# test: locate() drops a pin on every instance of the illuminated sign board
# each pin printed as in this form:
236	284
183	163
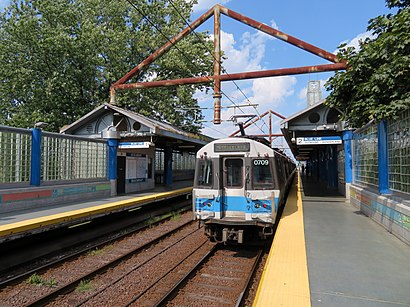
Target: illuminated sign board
123	145
319	140
232	147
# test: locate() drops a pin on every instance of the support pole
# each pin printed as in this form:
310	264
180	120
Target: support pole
35	167
217	66
270	129
112	164
347	145
168	176
383	158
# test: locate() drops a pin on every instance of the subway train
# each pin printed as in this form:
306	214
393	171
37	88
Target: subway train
240	184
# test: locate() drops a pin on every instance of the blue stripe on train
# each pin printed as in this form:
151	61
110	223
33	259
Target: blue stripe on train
235	203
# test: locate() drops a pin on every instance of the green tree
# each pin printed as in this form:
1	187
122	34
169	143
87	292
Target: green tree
376	85
60	57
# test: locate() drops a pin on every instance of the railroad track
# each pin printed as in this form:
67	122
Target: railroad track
222	277
66	281
31	251
173	269
67	253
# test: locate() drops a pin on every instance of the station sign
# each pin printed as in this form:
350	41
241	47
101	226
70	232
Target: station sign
130	145
319	140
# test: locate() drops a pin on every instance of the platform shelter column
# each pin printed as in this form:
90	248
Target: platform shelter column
383	158
35	167
112	164
347	146
168	176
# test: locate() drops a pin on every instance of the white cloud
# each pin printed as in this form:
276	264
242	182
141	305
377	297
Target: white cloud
270	92
246	53
246	56
204	5
303	93
355	42
4	4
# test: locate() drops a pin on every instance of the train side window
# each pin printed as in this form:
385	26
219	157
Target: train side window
233	173
204	171
262	174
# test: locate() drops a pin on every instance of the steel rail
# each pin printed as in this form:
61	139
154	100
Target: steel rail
20	277
72	285
241	297
172	292
134	299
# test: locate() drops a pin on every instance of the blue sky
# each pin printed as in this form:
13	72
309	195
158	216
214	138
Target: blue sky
323	23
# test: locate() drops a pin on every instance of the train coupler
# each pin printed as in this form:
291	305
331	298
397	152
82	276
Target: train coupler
232	235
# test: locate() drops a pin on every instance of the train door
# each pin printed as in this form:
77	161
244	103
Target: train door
233	190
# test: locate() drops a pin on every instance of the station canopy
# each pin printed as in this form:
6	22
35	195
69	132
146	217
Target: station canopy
133	127
312	128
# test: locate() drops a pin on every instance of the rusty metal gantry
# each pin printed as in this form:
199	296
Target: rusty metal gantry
217	78
270	135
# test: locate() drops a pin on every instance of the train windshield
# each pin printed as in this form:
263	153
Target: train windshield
204	171
261	174
234	174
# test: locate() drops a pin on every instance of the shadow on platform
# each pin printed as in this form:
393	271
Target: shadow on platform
313	187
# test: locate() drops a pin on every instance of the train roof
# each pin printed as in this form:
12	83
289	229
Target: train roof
235	145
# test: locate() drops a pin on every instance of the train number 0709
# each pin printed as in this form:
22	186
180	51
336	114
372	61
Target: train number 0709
260	162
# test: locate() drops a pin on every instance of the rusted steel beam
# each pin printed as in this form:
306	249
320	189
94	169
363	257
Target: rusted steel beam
197	80
284	71
141	66
277	114
266	135
236	76
279	34
217	66
250	123
270	128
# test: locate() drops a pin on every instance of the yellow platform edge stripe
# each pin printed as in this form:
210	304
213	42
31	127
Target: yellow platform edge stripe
30	224
285	279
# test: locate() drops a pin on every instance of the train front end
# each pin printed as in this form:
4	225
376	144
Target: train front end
234	192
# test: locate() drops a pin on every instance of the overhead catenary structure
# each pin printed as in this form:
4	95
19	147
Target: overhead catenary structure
217	77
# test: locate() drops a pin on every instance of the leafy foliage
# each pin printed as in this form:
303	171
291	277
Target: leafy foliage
59	59
84	286
376	85
37	280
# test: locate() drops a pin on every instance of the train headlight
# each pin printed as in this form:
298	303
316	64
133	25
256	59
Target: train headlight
257	205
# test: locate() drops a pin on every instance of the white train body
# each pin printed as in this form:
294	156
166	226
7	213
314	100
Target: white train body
239	186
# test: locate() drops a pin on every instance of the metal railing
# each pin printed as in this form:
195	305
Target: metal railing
389	160
63	157
66	157
398	140
365	156
15	155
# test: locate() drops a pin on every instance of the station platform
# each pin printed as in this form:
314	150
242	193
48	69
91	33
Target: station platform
18	223
326	253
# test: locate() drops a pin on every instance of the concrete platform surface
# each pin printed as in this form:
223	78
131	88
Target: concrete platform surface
352	261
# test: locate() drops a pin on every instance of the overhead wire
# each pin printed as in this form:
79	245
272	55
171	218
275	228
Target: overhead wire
174	45
210	127
223	69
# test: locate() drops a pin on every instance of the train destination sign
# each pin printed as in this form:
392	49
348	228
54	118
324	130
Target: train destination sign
319	140
232	147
